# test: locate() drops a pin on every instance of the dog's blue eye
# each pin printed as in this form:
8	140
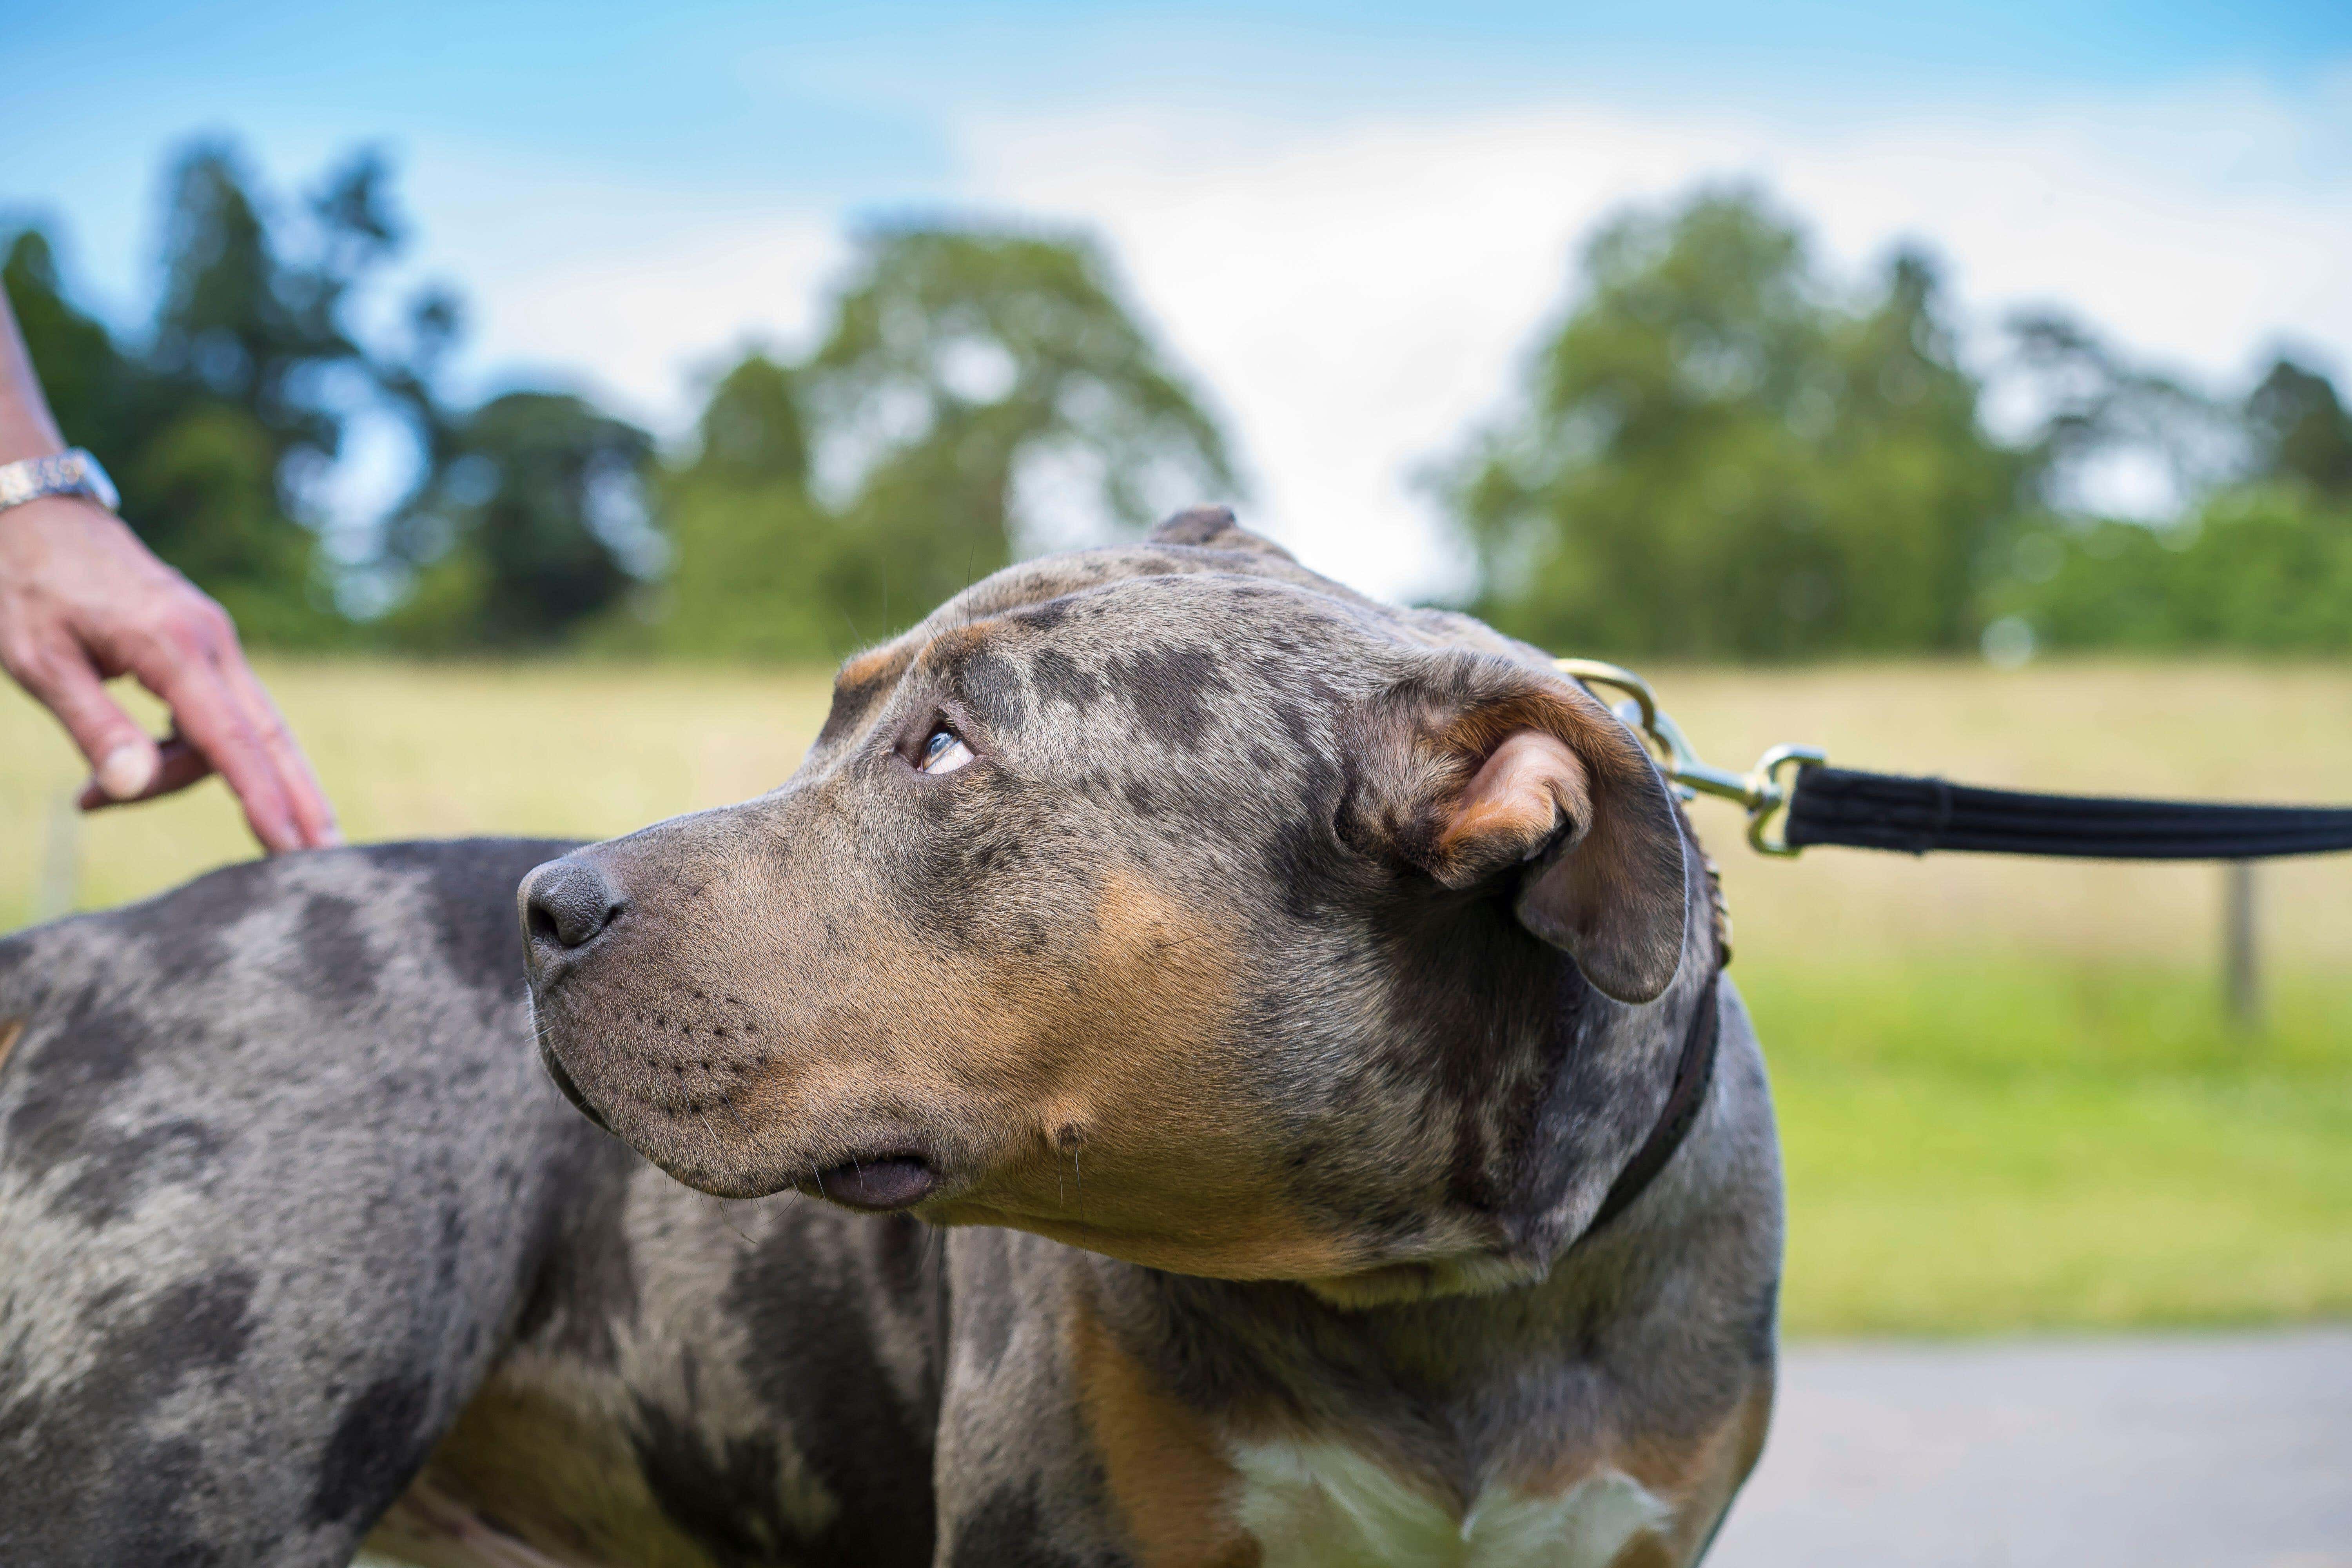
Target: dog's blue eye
944	752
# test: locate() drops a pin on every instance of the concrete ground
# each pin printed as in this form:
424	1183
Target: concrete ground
2190	1451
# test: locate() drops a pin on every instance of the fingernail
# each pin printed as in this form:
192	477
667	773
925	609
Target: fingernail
127	770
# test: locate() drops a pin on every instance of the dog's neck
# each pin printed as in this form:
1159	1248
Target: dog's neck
1433	1388
1536	1095
1436	1374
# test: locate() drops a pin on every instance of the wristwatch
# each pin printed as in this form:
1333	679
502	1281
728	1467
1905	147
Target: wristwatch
74	473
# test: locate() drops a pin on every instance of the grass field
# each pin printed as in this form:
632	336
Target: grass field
2006	1092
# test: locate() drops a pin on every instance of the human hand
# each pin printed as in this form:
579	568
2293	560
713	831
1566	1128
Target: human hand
82	601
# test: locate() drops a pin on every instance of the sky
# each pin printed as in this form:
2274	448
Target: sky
1348	221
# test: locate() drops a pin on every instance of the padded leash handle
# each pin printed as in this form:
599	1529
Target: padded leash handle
1886	811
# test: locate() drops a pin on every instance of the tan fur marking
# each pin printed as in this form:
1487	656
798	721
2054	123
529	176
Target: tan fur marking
11	1032
1171	1482
1646	1550
426	1527
873	665
1165	1172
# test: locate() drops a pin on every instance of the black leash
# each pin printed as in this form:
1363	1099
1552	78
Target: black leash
1884	811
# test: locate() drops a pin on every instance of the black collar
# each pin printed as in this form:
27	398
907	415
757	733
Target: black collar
1693	1074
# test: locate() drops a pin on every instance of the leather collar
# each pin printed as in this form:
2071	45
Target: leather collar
1693	1075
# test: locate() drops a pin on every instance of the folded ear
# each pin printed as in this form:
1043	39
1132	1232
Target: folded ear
1486	773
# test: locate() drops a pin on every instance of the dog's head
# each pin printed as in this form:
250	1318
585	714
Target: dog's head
1169	901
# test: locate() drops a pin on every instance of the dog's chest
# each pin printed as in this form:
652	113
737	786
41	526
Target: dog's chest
1327	1505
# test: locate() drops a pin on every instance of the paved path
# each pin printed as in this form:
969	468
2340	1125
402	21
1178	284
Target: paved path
2205	1451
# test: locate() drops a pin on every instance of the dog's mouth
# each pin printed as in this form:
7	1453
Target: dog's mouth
571	1090
877	1183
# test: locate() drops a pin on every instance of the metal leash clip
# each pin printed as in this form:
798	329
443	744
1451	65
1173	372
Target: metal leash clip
1762	793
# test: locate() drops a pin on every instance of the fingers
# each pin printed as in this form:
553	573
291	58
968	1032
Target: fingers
124	760
183	666
223	714
314	820
182	766
82	600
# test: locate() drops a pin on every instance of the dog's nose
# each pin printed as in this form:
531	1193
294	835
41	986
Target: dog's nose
565	903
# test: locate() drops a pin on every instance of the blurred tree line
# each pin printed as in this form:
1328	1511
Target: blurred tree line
1718	451
978	389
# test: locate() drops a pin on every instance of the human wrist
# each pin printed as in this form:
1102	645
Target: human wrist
27	432
73	472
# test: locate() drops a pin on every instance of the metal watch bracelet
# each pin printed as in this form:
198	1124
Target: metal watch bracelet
70	473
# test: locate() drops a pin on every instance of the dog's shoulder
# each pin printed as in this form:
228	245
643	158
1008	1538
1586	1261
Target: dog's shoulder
275	1157
379	977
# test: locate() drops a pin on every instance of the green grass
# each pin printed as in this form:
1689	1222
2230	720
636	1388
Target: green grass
2056	1147
2005	1093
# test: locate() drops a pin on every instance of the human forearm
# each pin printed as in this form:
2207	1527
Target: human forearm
26	427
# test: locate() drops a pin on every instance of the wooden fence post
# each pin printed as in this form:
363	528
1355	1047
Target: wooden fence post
2241	982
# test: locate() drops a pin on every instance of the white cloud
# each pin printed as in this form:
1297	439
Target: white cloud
637	290
1359	294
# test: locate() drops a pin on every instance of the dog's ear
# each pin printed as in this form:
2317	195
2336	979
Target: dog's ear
1485	773
1214	527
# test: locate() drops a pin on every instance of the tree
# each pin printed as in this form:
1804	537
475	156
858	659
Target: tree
96	391
2263	568
220	429
985	386
2302	430
977	391
2261	560
754	558
527	519
1718	455
537	525
263	372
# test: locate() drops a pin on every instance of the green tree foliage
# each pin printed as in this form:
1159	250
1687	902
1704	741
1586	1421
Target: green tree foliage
98	393
1718	455
218	429
2303	433
536	525
2263	568
1717	452
752	550
972	382
2262	562
527	518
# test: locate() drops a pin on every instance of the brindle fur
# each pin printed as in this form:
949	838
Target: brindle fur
298	1242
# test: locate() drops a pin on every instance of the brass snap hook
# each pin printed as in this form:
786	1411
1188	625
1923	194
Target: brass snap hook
1762	793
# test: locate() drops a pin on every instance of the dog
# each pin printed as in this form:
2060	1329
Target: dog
1239	1073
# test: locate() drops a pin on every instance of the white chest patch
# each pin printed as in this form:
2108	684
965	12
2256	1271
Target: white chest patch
1326	1505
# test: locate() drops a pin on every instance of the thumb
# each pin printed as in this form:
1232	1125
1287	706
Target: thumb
124	758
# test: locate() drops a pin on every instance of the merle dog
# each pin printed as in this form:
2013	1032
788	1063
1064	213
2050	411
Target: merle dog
1264	1051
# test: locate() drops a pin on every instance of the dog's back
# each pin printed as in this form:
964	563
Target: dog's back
276	1155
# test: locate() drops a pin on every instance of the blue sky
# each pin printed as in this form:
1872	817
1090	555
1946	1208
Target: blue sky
1348	218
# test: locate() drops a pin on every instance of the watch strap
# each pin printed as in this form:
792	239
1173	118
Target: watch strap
72	473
